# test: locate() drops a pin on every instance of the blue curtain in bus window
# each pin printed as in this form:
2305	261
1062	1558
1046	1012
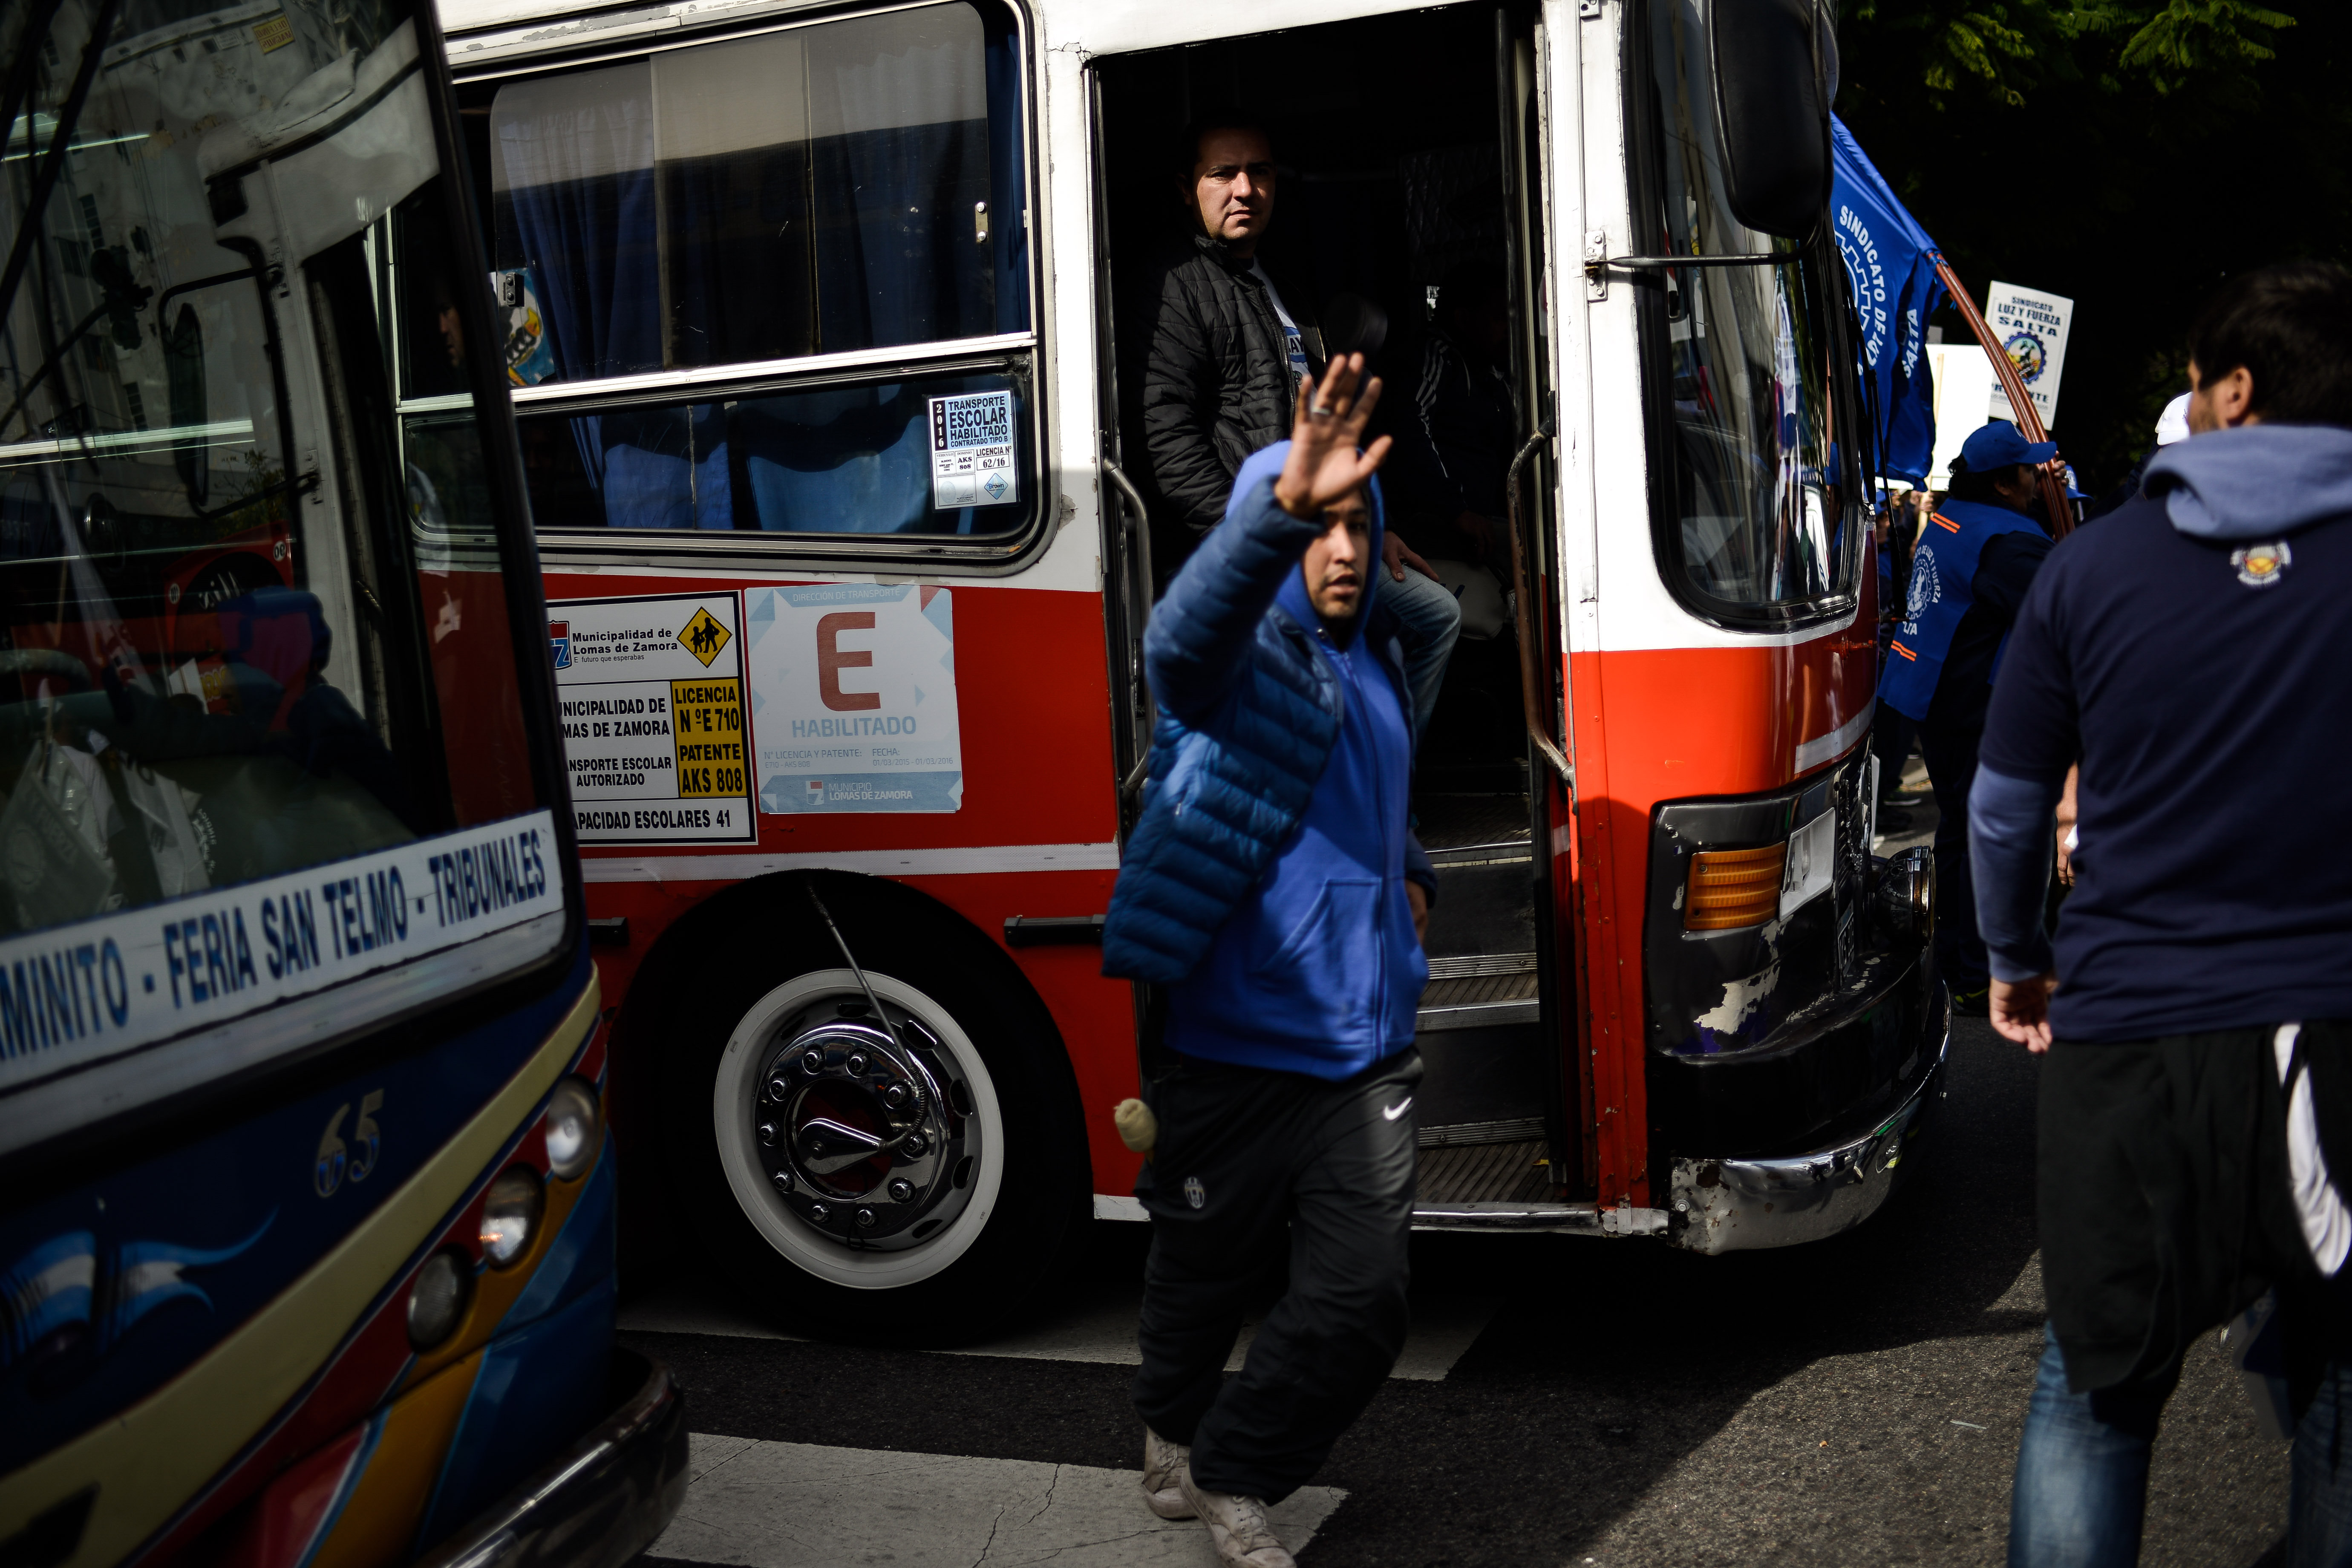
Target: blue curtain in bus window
572	177
899	161
731	143
664	466
854	460
1007	237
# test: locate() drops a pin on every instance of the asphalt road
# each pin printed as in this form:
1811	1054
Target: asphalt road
1564	1402
1574	1401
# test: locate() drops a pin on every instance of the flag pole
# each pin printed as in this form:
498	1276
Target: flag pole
2029	419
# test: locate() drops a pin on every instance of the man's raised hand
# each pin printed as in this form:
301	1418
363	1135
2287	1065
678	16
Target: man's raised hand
1324	466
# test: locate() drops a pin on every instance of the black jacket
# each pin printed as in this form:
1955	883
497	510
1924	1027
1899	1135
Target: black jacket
1217	386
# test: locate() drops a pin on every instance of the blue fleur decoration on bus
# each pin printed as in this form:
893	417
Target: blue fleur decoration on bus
47	1294
147	1275
50	1298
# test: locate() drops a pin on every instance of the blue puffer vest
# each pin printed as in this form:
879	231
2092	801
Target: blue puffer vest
1226	790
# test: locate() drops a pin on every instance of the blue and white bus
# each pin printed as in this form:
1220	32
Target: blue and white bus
306	1205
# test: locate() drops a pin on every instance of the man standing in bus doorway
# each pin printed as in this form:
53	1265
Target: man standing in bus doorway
2196	1095
1228	349
1274	887
1975	558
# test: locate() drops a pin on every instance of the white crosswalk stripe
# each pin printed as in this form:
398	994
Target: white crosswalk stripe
797	1505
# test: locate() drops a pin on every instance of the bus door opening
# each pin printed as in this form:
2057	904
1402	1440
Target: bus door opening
1404	223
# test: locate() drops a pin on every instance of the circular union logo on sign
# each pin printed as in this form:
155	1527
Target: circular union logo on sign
2027	353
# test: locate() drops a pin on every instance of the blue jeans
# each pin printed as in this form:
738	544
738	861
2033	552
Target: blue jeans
1432	621
2081	1473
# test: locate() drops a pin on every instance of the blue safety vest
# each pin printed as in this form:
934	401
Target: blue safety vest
1943	586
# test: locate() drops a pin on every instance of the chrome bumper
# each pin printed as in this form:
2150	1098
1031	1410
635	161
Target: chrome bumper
603	1502
1736	1206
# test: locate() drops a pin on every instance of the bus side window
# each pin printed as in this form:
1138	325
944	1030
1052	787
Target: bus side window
815	189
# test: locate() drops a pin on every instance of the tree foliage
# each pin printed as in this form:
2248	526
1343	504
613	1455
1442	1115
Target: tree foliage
2130	155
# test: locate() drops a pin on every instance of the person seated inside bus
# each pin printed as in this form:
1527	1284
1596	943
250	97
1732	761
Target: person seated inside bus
1231	346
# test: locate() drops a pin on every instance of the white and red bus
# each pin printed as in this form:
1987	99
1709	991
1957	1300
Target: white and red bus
824	324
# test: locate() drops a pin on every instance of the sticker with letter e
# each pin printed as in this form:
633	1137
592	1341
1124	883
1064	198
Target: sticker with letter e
832	658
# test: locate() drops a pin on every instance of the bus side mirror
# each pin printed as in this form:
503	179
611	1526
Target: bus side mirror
1772	74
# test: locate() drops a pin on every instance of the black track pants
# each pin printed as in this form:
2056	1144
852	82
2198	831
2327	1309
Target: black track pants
1951	758
1250	1164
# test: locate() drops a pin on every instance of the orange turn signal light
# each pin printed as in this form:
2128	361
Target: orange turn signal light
1732	887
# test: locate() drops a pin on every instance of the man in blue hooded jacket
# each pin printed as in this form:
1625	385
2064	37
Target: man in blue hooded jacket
1975	560
2197	1078
1274	887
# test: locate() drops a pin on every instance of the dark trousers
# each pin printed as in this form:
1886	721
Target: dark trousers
1890	739
2165	1208
1951	758
1250	1165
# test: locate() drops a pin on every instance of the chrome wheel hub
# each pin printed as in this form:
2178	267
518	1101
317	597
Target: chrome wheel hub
867	1141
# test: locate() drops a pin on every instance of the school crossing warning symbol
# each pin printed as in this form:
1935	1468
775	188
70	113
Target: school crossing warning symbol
704	637
654	733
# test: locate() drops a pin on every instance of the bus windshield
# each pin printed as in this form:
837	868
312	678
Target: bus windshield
1752	524
247	634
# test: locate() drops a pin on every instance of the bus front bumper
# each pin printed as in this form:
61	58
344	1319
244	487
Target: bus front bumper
1741	1204
600	1503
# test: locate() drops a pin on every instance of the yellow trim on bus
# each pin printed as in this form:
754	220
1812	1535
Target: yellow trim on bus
152	1458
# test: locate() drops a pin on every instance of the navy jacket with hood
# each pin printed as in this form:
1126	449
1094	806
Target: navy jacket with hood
2189	651
1265	883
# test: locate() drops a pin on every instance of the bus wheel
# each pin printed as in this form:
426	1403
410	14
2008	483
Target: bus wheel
911	1174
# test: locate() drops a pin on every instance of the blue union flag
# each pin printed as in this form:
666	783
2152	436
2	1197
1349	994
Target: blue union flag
1892	264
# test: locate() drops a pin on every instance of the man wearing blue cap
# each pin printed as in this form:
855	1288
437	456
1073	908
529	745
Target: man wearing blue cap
1976	559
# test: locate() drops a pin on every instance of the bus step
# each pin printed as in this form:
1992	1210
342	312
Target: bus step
1486	1173
1473	991
1459	1134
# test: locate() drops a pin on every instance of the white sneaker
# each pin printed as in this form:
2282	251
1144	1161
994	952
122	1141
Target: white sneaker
1238	1526
1163	1475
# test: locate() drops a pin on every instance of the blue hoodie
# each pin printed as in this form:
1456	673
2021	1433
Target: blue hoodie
2189	649
1308	964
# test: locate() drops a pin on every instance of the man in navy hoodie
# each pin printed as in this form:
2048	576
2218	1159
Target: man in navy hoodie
1274	887
2196	1013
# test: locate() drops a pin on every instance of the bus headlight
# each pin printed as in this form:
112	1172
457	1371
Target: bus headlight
512	1214
573	1128
1906	895
436	1298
